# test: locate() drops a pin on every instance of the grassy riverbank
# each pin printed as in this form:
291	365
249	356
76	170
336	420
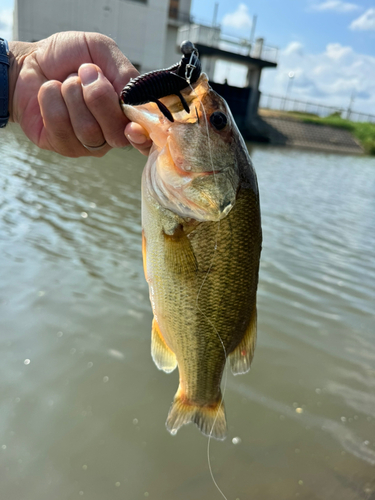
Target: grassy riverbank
363	131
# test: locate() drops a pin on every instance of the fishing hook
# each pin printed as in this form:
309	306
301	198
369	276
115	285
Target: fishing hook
154	85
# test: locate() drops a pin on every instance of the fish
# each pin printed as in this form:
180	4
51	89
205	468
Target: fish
201	245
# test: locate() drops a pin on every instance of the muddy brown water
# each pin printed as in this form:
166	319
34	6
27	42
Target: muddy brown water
82	405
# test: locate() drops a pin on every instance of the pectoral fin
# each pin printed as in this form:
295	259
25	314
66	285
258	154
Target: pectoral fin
164	358
179	253
240	359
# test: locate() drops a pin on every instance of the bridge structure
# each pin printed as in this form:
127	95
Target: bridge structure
213	46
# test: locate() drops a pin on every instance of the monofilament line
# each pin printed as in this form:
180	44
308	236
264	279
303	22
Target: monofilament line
197	305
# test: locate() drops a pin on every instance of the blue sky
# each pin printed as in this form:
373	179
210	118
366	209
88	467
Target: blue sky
329	45
313	23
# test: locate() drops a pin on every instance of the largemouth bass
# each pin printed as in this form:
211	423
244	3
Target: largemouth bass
201	249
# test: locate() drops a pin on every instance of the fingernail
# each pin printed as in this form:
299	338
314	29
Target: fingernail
88	74
137	139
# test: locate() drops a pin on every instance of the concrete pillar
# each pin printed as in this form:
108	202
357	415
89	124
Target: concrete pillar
258	48
253	78
208	65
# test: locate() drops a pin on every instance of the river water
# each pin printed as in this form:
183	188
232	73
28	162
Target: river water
83	406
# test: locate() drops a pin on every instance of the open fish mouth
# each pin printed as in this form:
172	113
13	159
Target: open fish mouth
192	169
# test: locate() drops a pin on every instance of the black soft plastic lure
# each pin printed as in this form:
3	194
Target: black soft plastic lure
154	85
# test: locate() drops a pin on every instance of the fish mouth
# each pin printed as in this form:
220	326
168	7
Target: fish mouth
183	174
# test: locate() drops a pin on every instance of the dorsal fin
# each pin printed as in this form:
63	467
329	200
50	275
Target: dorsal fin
240	359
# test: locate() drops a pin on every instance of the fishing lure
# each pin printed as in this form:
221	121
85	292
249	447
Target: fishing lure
154	85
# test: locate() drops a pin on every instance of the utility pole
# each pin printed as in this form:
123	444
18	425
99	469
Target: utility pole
349	111
214	20
291	76
252	33
253	26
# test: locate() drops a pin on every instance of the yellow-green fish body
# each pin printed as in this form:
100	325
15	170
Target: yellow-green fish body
201	250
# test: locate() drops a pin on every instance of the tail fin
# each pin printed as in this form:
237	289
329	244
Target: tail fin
210	419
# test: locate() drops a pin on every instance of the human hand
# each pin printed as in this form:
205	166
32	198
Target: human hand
64	93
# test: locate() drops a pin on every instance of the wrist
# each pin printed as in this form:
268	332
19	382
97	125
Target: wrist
17	54
4	82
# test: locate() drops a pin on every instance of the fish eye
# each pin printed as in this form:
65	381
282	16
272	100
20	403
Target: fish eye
218	120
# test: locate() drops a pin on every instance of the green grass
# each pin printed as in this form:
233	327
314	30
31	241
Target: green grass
363	131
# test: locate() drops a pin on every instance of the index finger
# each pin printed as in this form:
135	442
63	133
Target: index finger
63	53
103	102
114	64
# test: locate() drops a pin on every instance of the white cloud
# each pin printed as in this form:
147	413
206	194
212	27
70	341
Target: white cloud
327	78
294	48
6	23
239	19
337	52
364	22
336	6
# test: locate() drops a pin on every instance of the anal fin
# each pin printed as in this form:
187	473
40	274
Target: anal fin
164	358
240	359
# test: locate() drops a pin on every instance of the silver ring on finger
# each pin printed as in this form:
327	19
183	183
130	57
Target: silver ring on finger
94	148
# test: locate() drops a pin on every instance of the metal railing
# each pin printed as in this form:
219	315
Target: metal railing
213	37
244	47
284	103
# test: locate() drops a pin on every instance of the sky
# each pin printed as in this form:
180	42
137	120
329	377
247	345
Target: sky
329	45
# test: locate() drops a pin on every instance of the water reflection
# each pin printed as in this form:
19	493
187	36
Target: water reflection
83	407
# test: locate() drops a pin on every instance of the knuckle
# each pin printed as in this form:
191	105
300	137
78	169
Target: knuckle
70	85
91	131
106	39
59	134
59	124
117	140
49	85
90	135
61	143
103	39
48	90
97	96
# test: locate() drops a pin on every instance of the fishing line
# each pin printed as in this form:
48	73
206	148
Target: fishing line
190	67
197	305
